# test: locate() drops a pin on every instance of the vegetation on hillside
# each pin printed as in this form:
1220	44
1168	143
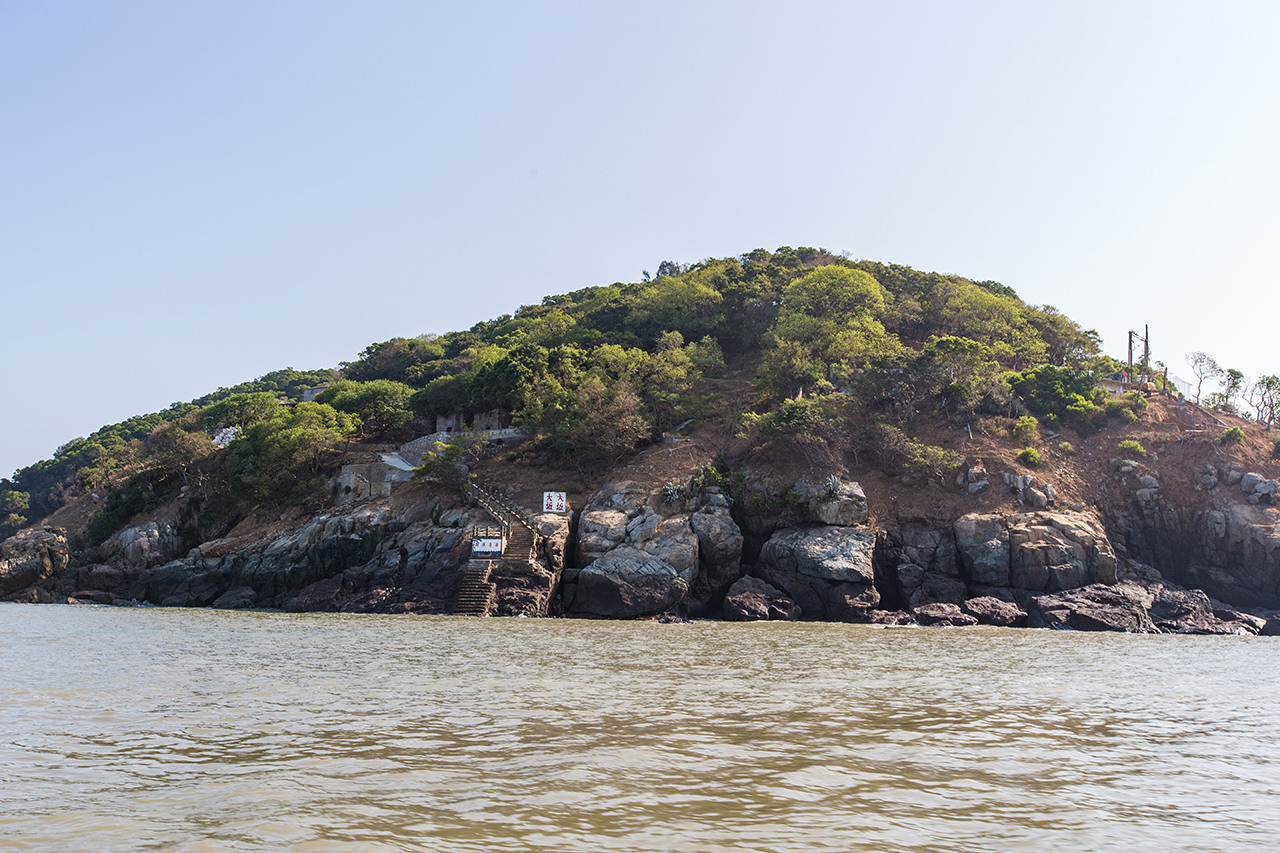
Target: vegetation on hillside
842	357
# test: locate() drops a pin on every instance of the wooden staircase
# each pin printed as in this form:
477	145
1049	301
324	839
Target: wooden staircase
476	592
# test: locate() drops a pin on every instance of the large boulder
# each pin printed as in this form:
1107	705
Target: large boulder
838	554
1098	607
1041	551
808	564
719	558
752	600
837	502
943	615
1189	611
144	546
989	610
629	582
30	556
920	586
982	542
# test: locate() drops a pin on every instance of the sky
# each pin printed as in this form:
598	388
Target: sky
195	194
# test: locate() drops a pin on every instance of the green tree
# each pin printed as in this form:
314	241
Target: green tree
178	445
241	411
381	404
285	455
609	423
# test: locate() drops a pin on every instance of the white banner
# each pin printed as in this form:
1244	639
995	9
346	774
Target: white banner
554	502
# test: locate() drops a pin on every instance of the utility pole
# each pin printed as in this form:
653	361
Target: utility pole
1146	348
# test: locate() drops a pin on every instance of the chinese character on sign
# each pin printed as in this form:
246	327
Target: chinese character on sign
553	502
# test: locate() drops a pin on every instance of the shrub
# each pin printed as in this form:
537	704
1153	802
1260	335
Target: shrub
1026	431
1136	401
1132	448
1127	416
930	461
1233	435
1029	457
1066	447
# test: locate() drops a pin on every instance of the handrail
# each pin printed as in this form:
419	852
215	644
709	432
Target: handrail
504	512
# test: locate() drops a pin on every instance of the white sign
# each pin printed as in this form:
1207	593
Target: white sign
554	502
486	547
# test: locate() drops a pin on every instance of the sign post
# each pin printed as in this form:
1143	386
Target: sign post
554	502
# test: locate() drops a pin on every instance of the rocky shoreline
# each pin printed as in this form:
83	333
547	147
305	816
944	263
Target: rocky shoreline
634	552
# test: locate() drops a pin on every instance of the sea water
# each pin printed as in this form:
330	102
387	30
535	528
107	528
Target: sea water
199	730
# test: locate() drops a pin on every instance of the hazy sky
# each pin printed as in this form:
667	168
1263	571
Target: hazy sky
194	194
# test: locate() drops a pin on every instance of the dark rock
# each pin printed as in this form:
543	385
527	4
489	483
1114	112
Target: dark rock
751	599
1189	611
921	587
94	596
989	610
1122	607
943	614
108	578
319	596
852	602
889	617
719	559
236	599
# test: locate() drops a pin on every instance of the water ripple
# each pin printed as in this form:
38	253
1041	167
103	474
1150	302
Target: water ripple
200	730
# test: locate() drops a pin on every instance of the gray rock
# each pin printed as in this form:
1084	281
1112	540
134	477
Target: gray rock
1146	481
808	565
1206	475
1233	477
983	544
839	554
1036	498
599	532
719	557
144	546
30	556
1248	481
847	507
628	582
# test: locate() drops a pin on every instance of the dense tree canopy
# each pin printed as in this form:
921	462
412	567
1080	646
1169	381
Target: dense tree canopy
599	369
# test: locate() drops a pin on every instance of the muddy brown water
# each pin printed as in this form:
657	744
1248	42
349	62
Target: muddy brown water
195	730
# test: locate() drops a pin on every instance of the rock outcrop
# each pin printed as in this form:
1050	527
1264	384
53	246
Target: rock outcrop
641	556
31	556
1043	551
828	571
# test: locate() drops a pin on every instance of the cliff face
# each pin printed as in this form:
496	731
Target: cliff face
1088	541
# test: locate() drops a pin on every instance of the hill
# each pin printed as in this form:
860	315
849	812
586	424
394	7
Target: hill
754	390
